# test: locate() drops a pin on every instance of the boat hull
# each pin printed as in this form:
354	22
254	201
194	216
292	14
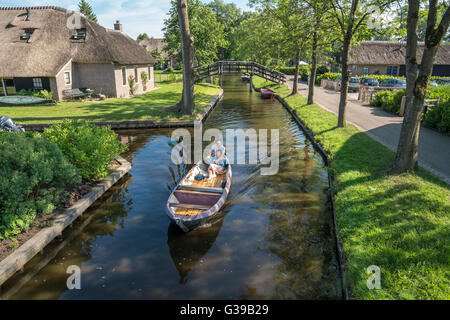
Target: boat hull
188	223
267	94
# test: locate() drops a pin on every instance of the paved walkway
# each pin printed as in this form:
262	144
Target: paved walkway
384	127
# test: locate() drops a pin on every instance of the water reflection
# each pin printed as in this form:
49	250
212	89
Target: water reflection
273	240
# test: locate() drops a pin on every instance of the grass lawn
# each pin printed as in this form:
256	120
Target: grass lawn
151	105
400	223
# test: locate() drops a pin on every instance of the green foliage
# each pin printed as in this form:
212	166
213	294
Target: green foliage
208	33
132	84
439	117
44	94
141	37
144	78
34	175
86	9
88	147
391	101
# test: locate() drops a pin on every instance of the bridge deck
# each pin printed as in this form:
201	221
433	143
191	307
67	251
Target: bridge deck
251	68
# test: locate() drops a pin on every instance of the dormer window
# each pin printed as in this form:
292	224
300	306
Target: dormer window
81	34
26	35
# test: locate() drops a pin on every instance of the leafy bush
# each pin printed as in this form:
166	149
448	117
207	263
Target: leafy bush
34	175
144	78
132	84
290	71
88	147
328	76
438	117
44	94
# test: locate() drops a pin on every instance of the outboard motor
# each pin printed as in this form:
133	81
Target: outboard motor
6	124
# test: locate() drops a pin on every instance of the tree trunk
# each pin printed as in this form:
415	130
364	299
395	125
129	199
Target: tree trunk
344	80
295	86
186	105
407	149
312	75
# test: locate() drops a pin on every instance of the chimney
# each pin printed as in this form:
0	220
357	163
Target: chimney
118	26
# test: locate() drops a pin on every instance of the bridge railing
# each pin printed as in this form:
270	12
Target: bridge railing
248	67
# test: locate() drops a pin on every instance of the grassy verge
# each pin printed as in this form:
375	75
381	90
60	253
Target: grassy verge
400	223
151	105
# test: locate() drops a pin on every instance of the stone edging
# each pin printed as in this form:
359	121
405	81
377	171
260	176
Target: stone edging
137	124
320	149
17	259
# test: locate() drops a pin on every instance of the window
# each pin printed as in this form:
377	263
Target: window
124	76
366	70
67	78
136	76
26	35
81	34
392	70
149	72
37	84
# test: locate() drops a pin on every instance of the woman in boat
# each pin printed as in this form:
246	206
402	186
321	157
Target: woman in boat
218	166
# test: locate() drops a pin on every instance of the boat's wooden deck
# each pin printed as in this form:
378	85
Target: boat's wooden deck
214	183
187	212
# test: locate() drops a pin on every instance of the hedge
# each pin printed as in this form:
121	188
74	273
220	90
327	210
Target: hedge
34	176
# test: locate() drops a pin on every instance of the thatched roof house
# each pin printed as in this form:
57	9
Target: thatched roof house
51	48
152	44
388	57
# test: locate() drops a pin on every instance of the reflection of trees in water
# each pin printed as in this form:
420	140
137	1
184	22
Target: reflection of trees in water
45	276
187	249
299	229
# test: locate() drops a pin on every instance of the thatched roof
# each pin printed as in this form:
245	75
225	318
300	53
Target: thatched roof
155	44
391	53
52	45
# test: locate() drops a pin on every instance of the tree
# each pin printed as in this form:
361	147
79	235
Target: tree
186	104
230	16
86	9
324	34
350	16
158	57
204	27
416	84
142	36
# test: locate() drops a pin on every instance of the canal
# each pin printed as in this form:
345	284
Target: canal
274	241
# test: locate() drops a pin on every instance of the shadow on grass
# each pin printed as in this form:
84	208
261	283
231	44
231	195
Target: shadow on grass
152	105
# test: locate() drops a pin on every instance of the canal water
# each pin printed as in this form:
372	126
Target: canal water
274	239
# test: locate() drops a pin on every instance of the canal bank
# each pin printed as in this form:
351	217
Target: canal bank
274	241
396	222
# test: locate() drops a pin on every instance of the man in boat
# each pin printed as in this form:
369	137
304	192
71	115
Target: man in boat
213	154
218	166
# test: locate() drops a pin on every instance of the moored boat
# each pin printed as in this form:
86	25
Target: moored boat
245	78
267	93
196	202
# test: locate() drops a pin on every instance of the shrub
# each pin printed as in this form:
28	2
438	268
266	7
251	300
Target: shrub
47	95
34	176
322	69
132	84
88	147
144	78
438	117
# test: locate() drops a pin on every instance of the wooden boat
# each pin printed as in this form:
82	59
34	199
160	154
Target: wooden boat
193	202
245	78
267	93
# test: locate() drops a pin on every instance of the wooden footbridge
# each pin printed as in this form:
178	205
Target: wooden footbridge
245	67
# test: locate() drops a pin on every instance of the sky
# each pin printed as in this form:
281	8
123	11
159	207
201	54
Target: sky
136	16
